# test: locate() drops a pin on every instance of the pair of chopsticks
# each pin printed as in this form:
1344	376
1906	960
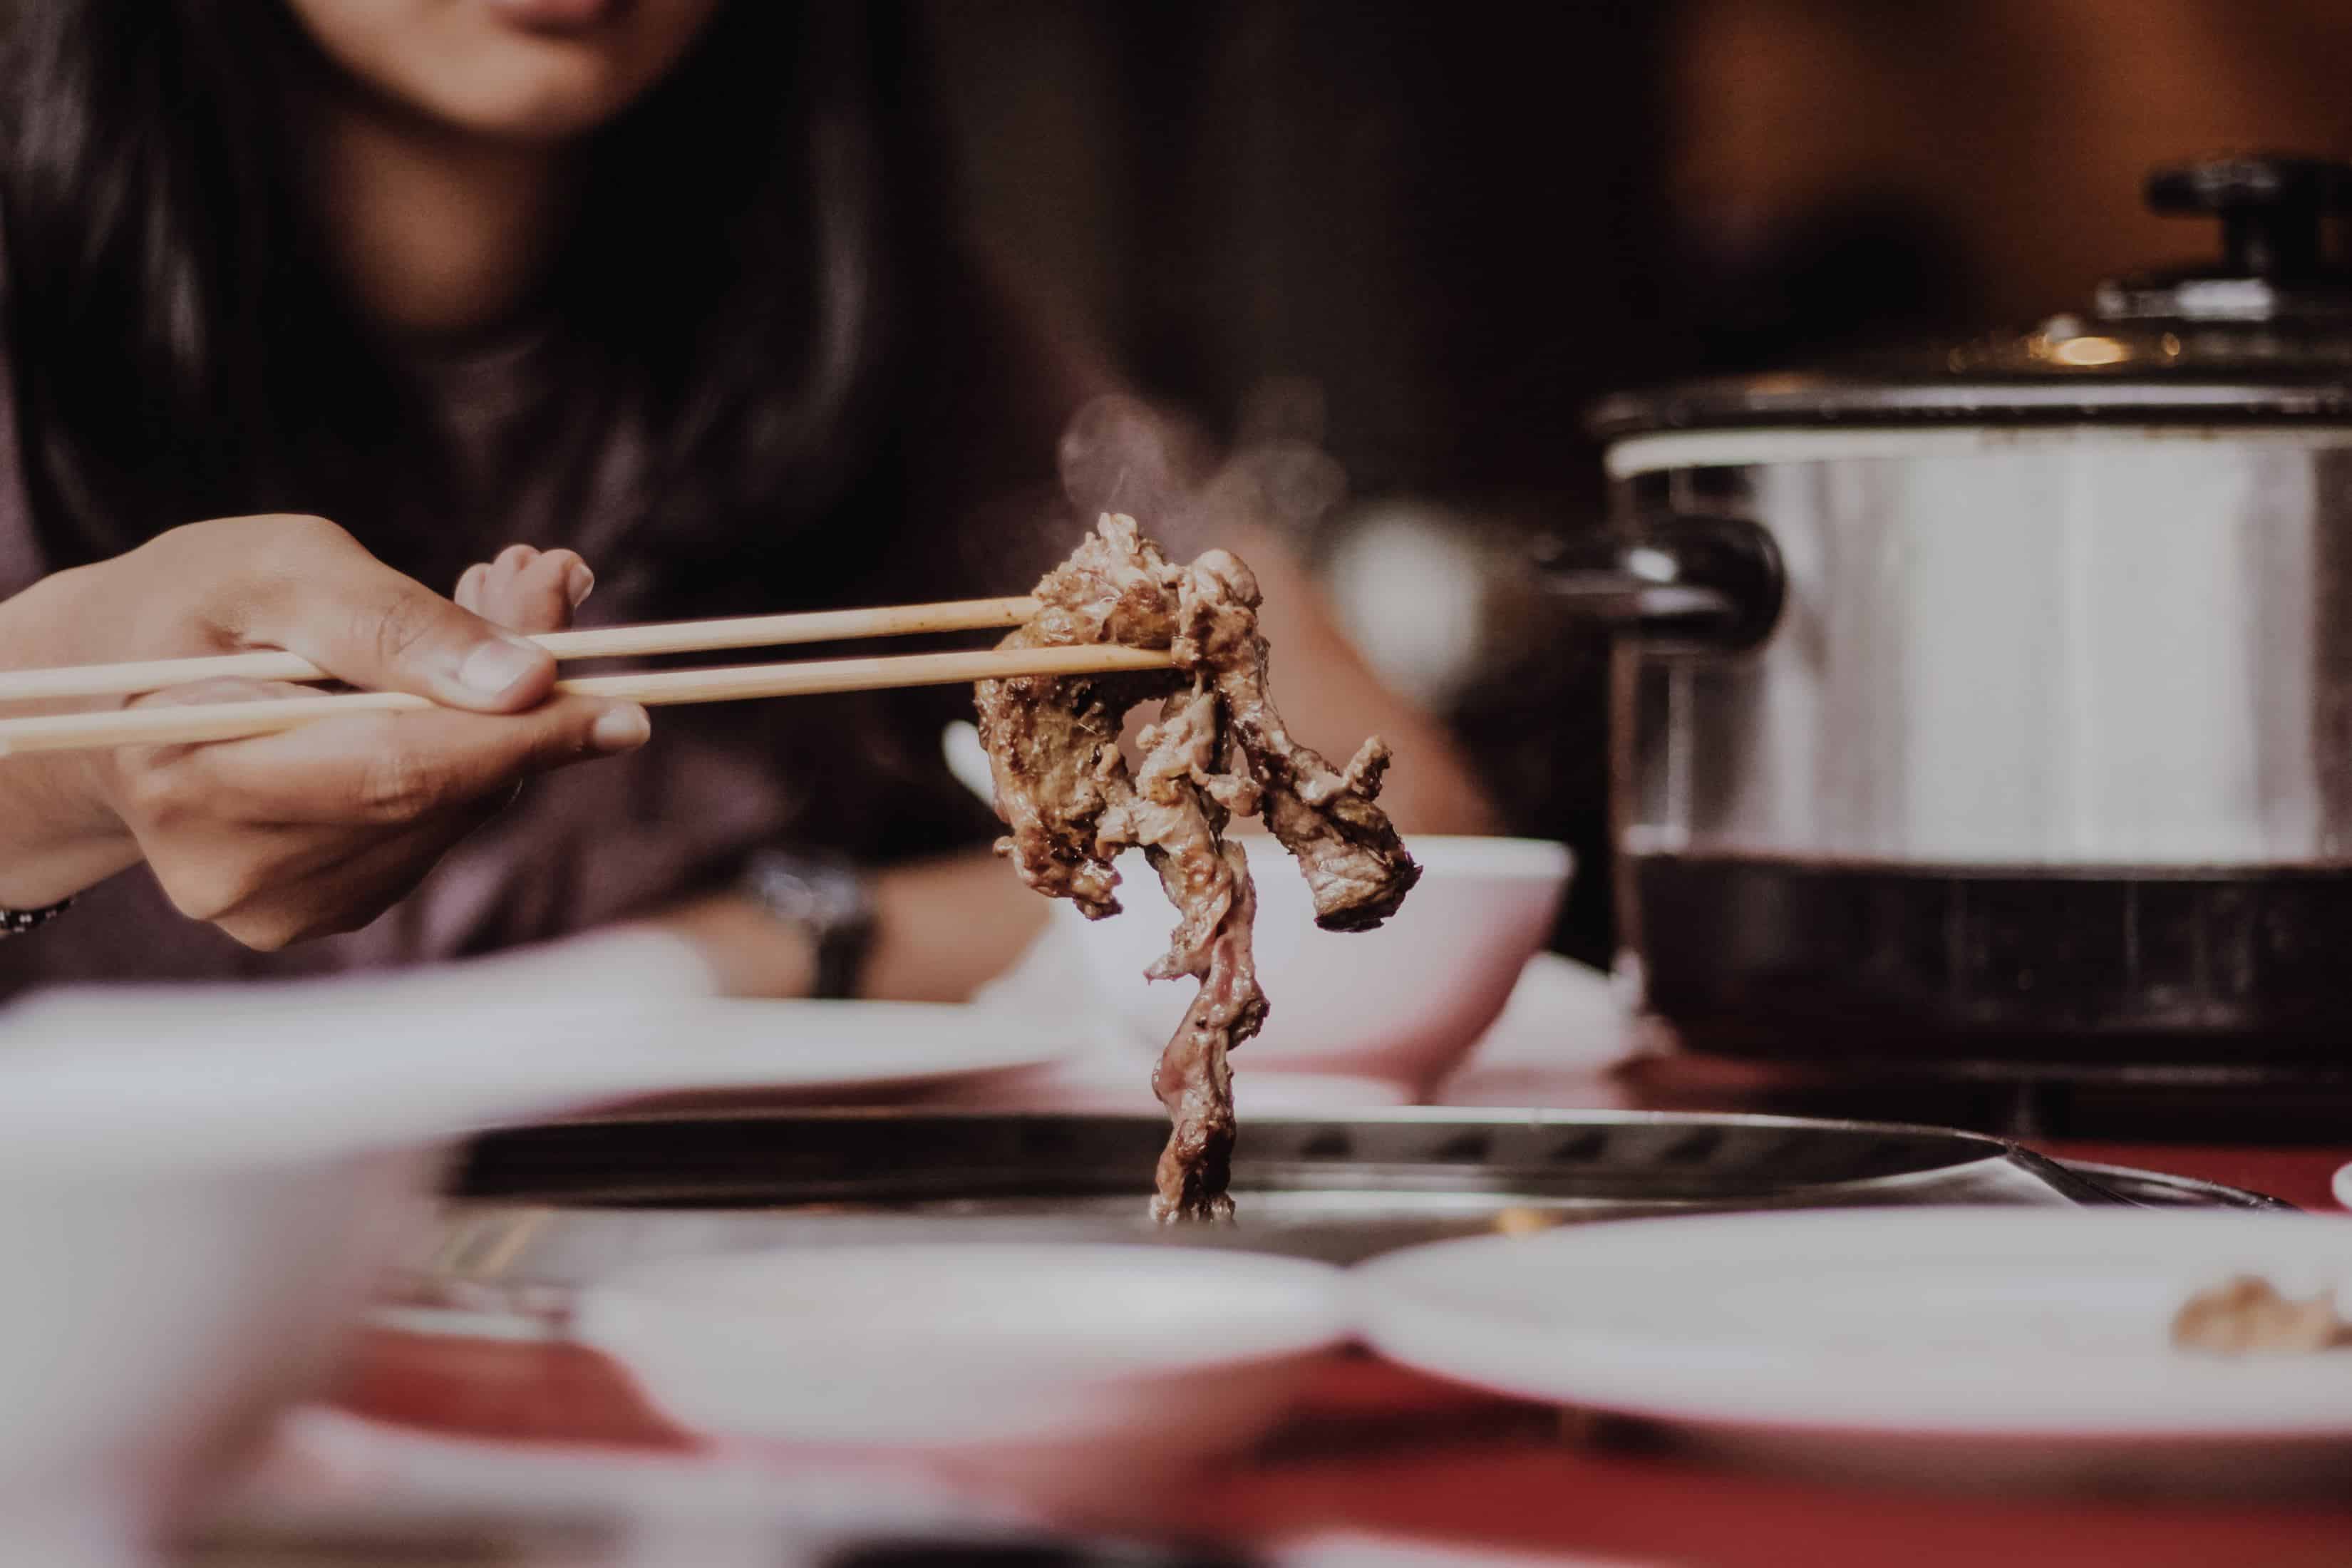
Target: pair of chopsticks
163	726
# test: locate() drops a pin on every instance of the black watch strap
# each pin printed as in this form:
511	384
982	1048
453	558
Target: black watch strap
825	896
16	922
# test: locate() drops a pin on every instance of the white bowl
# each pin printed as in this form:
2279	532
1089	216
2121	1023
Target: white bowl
199	1185
1404	1003
187	1236
1073	1373
184	1240
155	1320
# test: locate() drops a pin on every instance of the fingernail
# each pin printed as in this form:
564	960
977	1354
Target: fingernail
578	584
622	726
496	665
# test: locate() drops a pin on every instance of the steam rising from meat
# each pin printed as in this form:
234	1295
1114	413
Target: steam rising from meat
1217	749
1121	454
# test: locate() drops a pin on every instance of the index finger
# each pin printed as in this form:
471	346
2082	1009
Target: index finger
390	768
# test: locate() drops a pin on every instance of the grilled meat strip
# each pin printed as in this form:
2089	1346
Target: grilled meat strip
1217	749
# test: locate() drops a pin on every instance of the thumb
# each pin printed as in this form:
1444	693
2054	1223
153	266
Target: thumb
367	624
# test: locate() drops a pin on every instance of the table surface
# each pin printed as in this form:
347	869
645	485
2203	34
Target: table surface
1380	1449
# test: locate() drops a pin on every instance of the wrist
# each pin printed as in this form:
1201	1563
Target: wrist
741	947
829	902
63	833
60	830
24	922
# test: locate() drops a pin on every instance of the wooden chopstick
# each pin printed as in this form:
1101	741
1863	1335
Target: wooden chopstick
600	642
166	726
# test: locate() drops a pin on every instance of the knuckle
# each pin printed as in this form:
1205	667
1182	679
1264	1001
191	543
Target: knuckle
213	894
557	746
156	797
279	923
400	786
305	528
264	934
287	544
277	560
397	628
170	540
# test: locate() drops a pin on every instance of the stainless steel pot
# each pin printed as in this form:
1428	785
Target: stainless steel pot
1998	709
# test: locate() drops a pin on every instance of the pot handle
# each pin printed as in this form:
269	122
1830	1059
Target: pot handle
1681	583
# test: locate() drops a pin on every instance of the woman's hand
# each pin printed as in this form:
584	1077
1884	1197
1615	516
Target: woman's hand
316	830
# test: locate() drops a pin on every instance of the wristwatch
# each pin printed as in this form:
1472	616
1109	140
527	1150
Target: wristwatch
16	922
827	897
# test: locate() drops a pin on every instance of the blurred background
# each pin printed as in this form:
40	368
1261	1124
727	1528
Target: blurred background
1430	234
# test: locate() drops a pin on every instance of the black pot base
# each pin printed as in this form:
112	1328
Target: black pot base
2236	976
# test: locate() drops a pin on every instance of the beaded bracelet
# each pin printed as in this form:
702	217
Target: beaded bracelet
16	922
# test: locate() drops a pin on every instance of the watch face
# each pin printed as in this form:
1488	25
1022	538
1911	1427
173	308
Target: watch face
786	895
822	896
836	903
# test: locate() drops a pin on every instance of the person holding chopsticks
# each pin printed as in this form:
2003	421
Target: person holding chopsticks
657	293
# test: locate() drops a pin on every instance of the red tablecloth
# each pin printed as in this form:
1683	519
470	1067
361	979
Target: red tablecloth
1379	1448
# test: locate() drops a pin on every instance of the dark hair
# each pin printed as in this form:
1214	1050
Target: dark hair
180	349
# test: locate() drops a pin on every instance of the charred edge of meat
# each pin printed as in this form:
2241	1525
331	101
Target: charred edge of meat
1053	747
1219	747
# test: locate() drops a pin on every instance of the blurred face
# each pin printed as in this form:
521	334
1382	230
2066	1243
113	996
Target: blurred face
530	71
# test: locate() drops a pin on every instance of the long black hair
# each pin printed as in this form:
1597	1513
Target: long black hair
180	349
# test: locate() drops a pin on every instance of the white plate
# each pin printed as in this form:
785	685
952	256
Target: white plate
810	1048
372	1061
1959	1322
1061	1370
376	1062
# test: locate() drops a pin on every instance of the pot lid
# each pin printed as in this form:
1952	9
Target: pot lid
2264	334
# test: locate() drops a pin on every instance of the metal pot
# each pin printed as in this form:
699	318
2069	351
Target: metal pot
1996	709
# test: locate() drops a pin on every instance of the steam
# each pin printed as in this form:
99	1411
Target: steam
1122	454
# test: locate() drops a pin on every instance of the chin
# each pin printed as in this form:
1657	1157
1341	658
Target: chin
539	101
476	69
